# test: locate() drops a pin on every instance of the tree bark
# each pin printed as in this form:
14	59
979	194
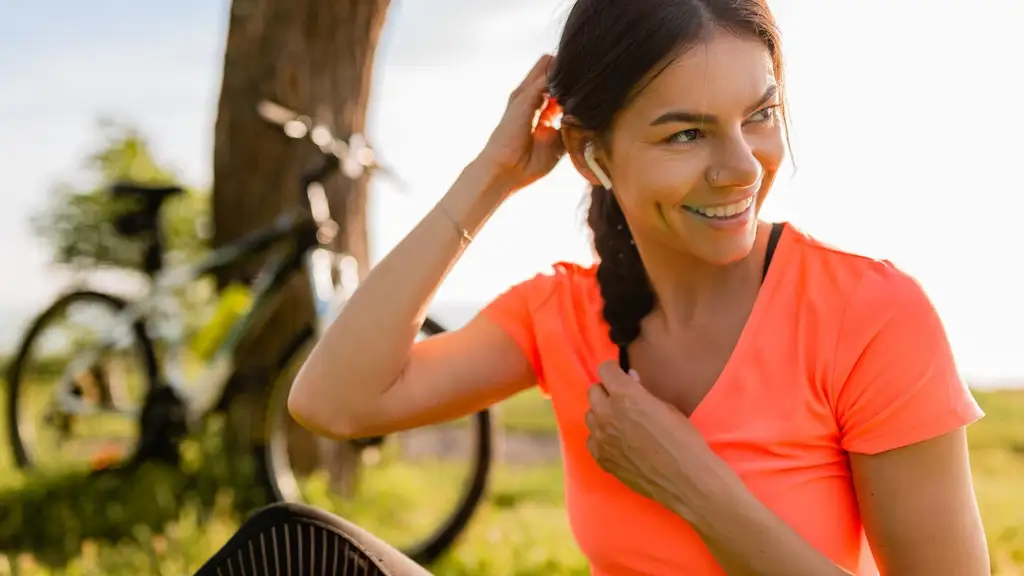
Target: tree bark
315	57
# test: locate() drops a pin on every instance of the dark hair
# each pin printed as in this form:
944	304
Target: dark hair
607	50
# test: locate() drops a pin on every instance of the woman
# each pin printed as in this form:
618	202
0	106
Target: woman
733	397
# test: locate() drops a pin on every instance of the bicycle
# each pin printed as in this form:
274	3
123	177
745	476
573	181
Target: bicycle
188	382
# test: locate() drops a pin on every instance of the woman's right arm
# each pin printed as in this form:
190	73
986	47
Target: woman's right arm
367	375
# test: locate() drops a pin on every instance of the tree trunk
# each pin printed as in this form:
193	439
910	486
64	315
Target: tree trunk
315	57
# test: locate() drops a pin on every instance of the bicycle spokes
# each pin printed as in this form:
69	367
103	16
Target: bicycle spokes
79	389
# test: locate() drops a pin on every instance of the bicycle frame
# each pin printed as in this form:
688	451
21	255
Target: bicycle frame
300	237
288	241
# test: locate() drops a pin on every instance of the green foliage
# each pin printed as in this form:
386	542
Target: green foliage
77	221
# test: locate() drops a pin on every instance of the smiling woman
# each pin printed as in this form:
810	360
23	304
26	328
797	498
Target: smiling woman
765	404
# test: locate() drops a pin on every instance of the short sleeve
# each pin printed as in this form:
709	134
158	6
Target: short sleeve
898	381
512	312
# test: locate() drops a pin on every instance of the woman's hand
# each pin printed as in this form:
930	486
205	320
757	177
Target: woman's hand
526	146
647	443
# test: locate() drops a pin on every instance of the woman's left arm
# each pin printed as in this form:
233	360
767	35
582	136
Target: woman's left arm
902	409
917	504
919	510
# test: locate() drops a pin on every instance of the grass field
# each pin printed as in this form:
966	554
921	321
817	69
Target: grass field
165	522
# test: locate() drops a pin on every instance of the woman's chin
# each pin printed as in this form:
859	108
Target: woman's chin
718	244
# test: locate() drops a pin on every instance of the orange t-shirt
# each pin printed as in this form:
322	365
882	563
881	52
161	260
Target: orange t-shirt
841	353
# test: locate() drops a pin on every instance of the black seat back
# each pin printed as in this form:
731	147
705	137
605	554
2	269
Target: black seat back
293	539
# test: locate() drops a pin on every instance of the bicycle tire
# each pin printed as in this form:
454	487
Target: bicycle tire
442	538
17	367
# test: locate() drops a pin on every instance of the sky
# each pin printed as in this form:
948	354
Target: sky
907	132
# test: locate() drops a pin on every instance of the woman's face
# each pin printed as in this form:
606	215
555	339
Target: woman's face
693	156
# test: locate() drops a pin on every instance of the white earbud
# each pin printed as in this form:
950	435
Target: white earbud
588	155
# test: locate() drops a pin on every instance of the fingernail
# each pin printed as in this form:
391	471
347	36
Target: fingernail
634	374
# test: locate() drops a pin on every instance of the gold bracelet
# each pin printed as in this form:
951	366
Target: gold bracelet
464	236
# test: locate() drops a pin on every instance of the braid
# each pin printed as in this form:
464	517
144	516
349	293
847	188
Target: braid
625	289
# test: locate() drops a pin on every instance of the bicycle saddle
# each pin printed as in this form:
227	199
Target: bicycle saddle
145	191
149	199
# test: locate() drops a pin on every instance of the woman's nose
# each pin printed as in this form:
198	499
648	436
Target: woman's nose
733	164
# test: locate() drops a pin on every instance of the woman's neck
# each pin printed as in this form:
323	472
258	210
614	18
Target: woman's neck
688	289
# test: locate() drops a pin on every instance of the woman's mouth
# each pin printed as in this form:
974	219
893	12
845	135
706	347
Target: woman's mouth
723	211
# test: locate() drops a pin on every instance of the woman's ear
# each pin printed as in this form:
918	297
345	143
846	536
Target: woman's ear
576	141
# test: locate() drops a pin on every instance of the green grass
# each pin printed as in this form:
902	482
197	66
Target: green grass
163	521
168	522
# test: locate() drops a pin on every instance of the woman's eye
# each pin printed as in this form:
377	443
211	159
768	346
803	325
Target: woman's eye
764	115
685	136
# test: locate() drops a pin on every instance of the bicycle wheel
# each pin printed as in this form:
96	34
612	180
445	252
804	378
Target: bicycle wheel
361	480
109	392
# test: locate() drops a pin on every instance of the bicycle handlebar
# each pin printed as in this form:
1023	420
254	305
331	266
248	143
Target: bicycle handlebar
355	157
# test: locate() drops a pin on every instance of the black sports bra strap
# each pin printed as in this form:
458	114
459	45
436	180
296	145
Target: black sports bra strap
773	242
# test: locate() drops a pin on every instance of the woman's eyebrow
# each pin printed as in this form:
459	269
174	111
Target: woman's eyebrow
684	117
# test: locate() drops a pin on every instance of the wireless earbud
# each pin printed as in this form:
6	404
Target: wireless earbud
588	155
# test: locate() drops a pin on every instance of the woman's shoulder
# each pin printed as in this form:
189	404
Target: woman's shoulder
846	272
546	301
562	281
862	290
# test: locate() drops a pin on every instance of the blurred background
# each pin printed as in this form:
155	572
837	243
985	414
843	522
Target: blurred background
906	134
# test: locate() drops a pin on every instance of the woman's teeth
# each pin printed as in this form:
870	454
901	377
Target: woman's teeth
726	211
